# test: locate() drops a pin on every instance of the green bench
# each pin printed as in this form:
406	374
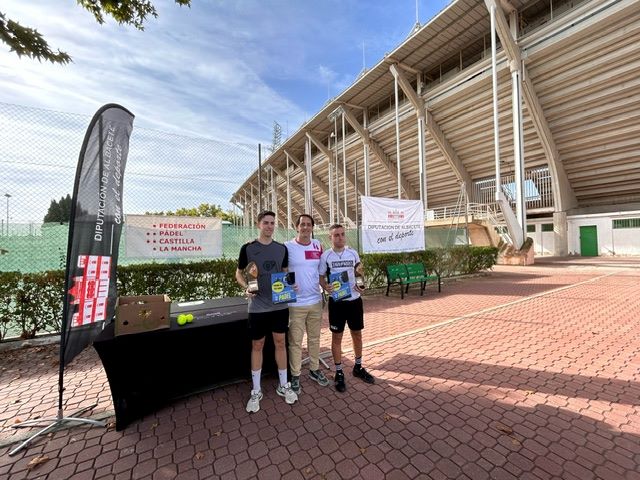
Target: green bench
406	274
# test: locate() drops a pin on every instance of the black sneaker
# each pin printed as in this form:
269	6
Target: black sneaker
360	372
339	378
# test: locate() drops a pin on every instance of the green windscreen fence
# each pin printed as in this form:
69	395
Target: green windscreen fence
165	172
40	247
46	247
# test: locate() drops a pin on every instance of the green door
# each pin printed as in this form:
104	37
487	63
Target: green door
589	241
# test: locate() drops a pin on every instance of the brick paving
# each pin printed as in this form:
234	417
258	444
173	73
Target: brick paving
523	373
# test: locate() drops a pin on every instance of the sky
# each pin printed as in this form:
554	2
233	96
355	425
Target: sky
221	70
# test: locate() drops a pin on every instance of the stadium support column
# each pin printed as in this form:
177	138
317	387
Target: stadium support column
259	178
308	201
332	215
560	234
422	162
516	231
245	211
345	197
421	115
252	206
397	98
318	182
274	193
365	123
289	224
248	208
518	144
379	154
516	66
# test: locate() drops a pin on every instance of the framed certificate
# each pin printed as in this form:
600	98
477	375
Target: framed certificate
340	283
282	287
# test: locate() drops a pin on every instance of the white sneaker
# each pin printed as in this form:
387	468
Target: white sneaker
289	395
253	405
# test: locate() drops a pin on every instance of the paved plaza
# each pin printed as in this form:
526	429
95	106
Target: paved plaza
522	373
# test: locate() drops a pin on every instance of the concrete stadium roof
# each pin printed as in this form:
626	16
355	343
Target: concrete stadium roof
581	109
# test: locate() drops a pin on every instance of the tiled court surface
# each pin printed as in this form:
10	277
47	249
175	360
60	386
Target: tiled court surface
533	373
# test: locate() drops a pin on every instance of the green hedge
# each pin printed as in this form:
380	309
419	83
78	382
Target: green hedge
9	282
182	282
31	303
446	262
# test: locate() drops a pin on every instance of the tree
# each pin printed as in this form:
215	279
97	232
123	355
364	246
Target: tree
29	42
202	210
59	212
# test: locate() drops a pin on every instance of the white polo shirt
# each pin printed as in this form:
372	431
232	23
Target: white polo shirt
304	260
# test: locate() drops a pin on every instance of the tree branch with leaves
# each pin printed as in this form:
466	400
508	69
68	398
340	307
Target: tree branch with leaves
202	210
28	42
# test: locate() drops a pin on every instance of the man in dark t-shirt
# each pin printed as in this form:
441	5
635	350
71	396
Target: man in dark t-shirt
265	317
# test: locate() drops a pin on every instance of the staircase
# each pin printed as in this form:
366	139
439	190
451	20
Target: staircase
486	225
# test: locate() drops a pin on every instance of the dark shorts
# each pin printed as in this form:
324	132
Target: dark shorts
346	312
260	324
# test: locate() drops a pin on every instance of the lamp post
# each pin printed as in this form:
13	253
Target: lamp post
8	197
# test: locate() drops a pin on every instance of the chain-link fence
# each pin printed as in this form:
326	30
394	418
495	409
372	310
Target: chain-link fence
165	172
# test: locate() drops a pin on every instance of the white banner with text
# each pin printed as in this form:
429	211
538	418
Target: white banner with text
150	236
390	225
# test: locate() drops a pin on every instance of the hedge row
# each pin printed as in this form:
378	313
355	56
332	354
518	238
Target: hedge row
31	303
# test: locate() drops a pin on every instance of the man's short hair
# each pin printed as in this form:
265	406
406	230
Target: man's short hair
305	215
334	226
264	213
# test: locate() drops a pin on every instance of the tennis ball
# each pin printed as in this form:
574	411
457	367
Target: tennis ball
182	319
189	317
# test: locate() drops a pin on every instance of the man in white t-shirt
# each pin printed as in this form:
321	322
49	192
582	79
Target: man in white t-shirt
306	313
349	311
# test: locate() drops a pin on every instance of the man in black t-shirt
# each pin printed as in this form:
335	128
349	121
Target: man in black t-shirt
265	317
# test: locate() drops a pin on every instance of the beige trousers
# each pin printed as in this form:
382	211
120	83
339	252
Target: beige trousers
301	319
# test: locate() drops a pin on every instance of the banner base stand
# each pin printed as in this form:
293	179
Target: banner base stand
57	424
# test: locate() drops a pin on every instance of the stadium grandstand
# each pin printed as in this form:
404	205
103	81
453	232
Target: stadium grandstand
557	82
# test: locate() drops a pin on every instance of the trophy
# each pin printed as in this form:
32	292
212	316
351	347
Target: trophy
251	274
359	272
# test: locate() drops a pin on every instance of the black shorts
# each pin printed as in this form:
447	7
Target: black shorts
346	312
262	323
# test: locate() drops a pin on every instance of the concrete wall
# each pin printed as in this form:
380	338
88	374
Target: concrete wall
620	241
603	225
626	241
542	241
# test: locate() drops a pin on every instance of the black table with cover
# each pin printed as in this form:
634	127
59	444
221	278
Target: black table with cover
148	370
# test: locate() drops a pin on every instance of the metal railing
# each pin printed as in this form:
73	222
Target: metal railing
538	189
487	212
477	211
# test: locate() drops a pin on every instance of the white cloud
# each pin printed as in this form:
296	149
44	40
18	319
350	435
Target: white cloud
221	70
182	78
326	74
